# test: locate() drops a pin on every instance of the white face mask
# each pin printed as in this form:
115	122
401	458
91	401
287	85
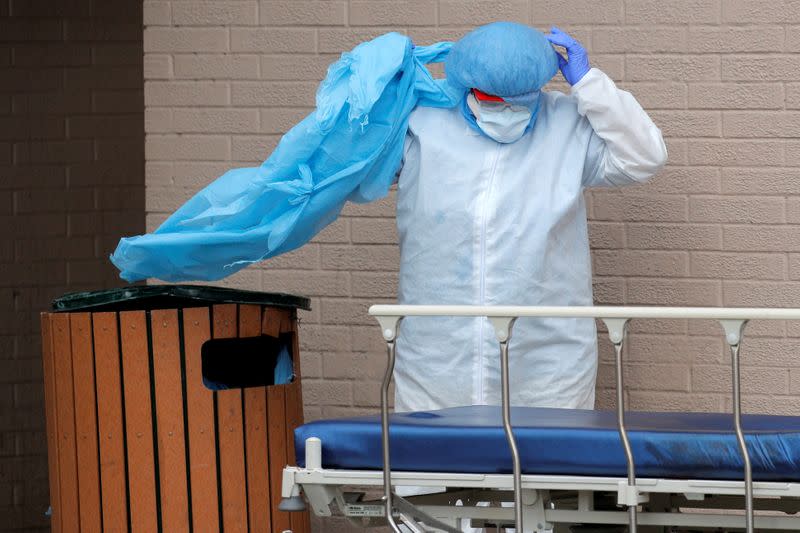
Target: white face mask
502	122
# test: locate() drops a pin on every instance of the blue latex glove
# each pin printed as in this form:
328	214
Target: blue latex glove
576	67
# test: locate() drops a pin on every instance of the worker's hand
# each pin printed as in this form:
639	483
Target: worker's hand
575	66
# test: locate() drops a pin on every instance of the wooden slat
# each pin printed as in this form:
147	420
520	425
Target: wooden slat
231	436
51	407
110	421
255	406
169	420
65	420
138	421
86	422
294	413
272	321
276	435
201	424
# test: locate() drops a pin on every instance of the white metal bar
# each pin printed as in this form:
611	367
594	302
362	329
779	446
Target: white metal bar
715	313
761	489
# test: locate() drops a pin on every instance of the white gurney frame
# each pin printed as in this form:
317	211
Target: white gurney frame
630	493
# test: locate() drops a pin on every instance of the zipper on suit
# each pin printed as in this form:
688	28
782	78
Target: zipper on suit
482	269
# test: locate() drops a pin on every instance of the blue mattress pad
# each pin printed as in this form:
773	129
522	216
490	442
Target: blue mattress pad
562	442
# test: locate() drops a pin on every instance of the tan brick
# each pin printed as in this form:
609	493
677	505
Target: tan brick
337	232
576	12
613	65
685	180
703	293
616	207
675	348
776	124
273	40
794	266
193	174
279	120
189	147
327	392
733	39
759	210
688	123
216	66
670	401
302	13
252	148
608	291
374	284
366	393
474	13
374	231
295	67
400	13
793	95
335	40
185	93
325	338
761	294
748	12
356	366
307	257
756	351
639	39
758	328
757	67
738	265
736	153
772	404
736	95
685	67
794	381
754	380
306	283
157	13
273	94
346	311
657	377
751	181
216	120
373	257
216	13
674	12
368	339
171	39
674	236
793	153
604	235
158	120
157	66
761	238
793	210
678	150
640	263
661	95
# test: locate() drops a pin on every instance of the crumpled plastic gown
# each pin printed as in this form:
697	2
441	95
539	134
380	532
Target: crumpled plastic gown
348	149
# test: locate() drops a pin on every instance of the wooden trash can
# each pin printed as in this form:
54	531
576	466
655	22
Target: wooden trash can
137	441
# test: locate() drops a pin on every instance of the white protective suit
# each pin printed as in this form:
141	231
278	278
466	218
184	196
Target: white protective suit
505	224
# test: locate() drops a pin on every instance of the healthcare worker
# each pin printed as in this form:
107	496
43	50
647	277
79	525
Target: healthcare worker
490	211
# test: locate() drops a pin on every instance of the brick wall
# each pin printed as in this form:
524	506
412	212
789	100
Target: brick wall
71	182
720	226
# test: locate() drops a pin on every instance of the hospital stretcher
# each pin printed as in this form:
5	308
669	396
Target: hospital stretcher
563	469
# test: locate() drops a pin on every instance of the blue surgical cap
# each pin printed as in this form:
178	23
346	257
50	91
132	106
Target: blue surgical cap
503	59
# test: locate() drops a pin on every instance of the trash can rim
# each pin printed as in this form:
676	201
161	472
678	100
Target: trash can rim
176	296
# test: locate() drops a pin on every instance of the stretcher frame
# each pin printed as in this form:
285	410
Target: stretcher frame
535	496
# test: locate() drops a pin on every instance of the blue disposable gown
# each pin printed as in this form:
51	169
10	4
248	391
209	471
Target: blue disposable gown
348	149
